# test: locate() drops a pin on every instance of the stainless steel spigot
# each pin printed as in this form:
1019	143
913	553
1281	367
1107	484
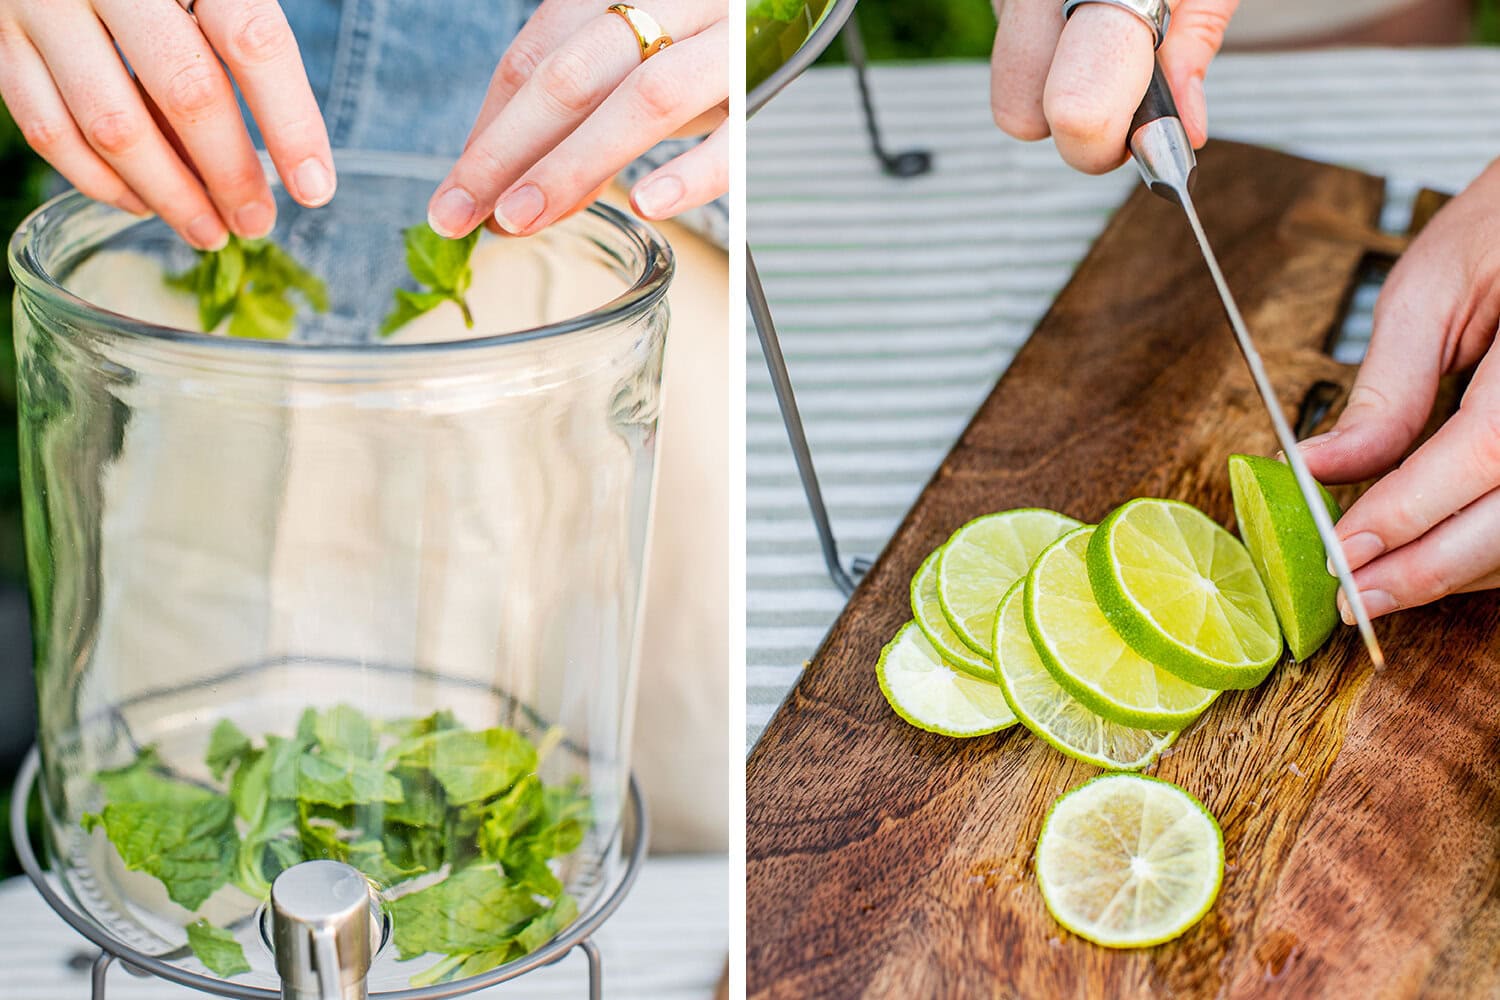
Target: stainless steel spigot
322	931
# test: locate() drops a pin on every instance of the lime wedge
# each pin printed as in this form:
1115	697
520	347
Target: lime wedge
1088	658
1284	545
933	696
982	559
1128	861
928	613
1056	716
1183	593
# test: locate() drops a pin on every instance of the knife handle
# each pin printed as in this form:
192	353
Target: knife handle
1157	103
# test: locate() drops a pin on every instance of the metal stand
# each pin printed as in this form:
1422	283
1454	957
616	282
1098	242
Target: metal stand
577	935
838	19
913	162
781	381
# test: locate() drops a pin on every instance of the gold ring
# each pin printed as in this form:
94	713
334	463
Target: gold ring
647	32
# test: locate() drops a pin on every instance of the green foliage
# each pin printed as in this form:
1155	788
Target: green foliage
933	29
217	949
400	800
251	282
442	265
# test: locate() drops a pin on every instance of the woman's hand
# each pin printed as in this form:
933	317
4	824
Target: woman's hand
1080	82
572	103
1431	526
169	139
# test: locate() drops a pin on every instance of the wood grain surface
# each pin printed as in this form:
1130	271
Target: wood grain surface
1361	810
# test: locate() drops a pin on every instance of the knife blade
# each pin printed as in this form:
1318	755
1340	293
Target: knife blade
1162	152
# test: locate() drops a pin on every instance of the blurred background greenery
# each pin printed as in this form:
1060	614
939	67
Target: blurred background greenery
965	29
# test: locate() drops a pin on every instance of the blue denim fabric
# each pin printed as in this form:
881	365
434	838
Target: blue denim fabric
410	75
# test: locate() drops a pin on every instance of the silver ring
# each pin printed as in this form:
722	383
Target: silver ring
1156	13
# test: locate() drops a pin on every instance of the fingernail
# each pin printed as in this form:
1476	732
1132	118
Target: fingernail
452	213
1317	441
314	182
206	232
1361	548
657	198
520	208
1345	615
254	220
1377	602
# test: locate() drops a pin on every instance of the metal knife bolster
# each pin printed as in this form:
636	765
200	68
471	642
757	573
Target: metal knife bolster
1160	145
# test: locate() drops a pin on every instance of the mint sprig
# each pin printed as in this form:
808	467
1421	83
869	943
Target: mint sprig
442	266
251	282
400	800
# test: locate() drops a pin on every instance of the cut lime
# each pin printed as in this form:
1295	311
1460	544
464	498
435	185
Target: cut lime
1056	716
933	696
982	559
929	616
1279	531
1183	593
1088	658
1128	861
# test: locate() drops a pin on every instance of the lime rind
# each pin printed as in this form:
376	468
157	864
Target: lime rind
1070	871
931	695
1048	710
1283	541
981	560
928	613
1085	655
1143	569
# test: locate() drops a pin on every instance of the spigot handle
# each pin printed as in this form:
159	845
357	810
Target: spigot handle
326	963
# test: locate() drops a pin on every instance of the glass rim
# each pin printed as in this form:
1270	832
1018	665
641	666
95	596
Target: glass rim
646	289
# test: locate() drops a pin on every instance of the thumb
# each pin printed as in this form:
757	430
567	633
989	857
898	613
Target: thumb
1193	39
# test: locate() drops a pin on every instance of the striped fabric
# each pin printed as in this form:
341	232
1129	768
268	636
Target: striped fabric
900	302
667	942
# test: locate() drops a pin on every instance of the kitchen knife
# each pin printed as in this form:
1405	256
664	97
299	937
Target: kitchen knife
1159	144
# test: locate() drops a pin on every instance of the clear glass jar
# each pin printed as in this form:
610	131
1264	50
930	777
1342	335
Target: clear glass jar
338	596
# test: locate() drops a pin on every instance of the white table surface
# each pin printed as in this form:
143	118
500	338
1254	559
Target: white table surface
667	941
900	302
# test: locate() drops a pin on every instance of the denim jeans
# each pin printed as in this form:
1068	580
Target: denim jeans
409	76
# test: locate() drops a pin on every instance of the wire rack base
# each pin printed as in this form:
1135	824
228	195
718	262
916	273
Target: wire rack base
578	935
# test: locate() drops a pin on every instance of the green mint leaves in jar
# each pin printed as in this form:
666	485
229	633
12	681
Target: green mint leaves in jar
453	824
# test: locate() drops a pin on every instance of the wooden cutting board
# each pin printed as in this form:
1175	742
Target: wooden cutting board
1361	810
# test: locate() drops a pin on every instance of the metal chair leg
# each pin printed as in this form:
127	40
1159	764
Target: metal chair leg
760	312
911	163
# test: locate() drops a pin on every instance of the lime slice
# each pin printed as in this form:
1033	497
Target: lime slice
1128	861
933	696
1056	716
929	615
1183	593
982	559
1278	530
1088	658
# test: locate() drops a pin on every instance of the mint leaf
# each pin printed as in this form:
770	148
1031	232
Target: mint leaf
410	305
189	845
474	909
250	281
338	778
421	802
442	266
227	747
345	728
510	814
471	765
217	949
260	315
